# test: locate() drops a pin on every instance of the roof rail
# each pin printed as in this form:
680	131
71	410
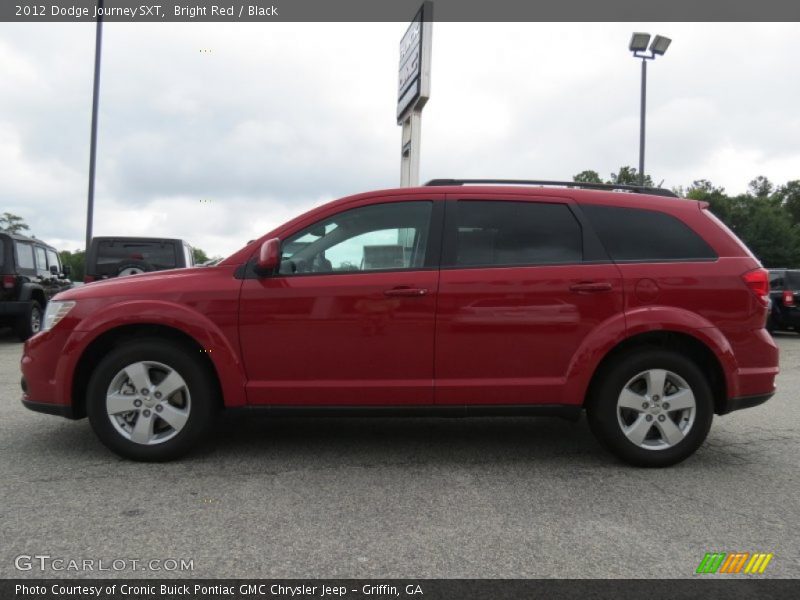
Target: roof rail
639	189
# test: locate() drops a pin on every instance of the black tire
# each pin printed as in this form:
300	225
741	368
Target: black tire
770	325
31	322
199	382
602	409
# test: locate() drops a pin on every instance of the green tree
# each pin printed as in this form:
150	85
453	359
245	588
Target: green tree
76	261
789	197
199	256
12	223
761	187
721	205
587	177
772	237
629	176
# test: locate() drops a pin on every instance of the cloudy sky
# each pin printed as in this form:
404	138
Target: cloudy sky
219	146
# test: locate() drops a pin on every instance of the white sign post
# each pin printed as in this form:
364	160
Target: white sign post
413	90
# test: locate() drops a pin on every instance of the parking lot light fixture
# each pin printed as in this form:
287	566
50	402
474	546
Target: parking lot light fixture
660	45
639	42
639	46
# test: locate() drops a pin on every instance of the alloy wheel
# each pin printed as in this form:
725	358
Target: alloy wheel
148	402
656	409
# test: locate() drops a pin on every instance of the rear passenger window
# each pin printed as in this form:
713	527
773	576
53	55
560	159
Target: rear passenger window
516	233
632	234
24	255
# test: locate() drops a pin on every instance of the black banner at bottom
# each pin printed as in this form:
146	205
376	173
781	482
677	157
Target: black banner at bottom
406	589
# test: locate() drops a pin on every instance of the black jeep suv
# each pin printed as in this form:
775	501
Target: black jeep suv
31	274
119	256
784	293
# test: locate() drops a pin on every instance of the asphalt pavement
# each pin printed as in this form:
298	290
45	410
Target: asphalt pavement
336	498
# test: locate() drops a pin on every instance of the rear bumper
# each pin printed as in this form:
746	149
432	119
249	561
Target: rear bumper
757	360
13	309
785	317
745	402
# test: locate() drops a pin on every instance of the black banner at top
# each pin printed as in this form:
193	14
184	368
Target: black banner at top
149	11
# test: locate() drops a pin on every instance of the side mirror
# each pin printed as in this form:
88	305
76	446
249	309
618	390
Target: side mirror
269	258
67	270
54	270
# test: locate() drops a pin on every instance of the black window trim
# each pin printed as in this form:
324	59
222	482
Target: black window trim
592	251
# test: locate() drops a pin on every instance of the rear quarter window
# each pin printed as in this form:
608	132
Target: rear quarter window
641	235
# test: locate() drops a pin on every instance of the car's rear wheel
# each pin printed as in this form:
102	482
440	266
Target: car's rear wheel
30	323
151	400
652	407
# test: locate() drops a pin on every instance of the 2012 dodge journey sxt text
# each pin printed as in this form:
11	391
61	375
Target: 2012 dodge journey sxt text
446	299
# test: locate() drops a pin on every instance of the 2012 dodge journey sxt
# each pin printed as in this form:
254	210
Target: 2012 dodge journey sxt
451	299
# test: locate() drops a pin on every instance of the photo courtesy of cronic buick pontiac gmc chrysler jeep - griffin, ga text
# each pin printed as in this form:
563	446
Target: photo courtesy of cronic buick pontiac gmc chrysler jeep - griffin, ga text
456	298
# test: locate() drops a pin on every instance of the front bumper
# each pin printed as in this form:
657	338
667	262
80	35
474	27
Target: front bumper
61	410
47	366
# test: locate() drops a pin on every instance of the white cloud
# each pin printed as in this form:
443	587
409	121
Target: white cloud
279	117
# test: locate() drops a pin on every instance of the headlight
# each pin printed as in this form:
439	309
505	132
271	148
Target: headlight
54	312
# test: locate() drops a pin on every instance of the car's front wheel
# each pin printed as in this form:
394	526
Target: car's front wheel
151	400
652	407
30	323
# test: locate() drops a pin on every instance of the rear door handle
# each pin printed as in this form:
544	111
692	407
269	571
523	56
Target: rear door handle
406	292
588	287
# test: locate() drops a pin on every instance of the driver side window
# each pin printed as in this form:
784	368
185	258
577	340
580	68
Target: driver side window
377	237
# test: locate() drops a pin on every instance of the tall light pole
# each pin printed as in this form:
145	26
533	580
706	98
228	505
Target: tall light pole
638	45
93	142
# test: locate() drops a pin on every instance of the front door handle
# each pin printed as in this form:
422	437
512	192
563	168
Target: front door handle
587	287
406	292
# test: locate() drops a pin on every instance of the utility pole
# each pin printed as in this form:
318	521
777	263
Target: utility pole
93	142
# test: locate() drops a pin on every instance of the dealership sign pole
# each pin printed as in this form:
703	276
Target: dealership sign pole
413	91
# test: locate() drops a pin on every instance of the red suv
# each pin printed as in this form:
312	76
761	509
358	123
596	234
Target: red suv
450	299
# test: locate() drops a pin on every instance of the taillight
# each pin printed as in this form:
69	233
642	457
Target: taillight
788	298
757	281
9	281
88	278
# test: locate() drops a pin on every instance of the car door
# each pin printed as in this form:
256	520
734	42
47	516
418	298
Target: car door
517	297
349	318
